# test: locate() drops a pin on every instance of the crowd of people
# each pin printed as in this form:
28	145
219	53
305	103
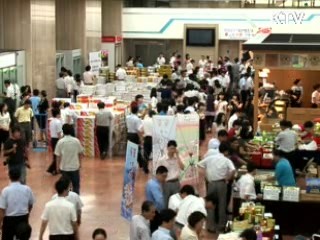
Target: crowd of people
221	95
222	98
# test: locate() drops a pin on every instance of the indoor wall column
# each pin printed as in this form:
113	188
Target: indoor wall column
93	28
112	31
43	47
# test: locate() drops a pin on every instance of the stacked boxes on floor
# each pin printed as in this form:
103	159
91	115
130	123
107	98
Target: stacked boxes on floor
85	133
165	69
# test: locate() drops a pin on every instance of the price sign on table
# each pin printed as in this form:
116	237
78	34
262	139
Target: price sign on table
271	193
291	194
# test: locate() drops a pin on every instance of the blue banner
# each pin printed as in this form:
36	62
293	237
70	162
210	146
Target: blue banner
129	180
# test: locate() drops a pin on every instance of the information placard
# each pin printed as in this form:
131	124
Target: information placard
291	194
271	193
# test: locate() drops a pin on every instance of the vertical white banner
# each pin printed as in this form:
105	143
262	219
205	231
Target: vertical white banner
95	62
164	130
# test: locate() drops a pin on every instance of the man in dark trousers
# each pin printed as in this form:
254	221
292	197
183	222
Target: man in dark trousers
16	202
69	152
134	126
103	122
16	152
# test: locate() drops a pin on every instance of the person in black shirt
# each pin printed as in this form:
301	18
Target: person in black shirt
42	116
15	151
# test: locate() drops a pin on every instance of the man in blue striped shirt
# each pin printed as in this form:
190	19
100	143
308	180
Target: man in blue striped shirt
154	194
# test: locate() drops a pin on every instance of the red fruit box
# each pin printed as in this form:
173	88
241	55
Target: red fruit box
266	161
256	158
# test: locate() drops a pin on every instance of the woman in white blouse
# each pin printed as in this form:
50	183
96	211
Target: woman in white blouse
4	123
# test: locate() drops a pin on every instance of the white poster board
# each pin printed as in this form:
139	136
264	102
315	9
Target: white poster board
95	62
291	194
164	130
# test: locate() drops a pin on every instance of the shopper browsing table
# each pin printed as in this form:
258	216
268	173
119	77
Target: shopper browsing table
192	203
246	183
60	215
69	152
140	224
174	165
219	170
88	76
16	203
287	141
103	123
283	172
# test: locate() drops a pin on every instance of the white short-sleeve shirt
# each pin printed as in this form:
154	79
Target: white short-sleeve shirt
217	166
174	202
55	127
188	205
60	214
121	74
247	187
73	198
69	148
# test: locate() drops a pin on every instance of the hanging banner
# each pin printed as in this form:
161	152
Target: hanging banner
188	145
164	130
185	130
95	62
129	180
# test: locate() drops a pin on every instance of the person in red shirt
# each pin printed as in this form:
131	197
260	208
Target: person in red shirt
234	130
307	130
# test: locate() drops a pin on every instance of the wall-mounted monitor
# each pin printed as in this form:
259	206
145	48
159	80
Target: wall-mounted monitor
200	37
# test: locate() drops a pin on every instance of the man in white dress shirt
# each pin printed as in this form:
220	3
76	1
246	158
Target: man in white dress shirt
134	128
140	224
74	198
192	203
161	60
60	215
219	170
88	76
121	73
246	183
176	199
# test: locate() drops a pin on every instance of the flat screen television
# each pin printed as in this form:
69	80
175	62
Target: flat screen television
201	37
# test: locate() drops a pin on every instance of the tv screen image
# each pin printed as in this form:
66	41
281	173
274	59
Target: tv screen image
201	37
